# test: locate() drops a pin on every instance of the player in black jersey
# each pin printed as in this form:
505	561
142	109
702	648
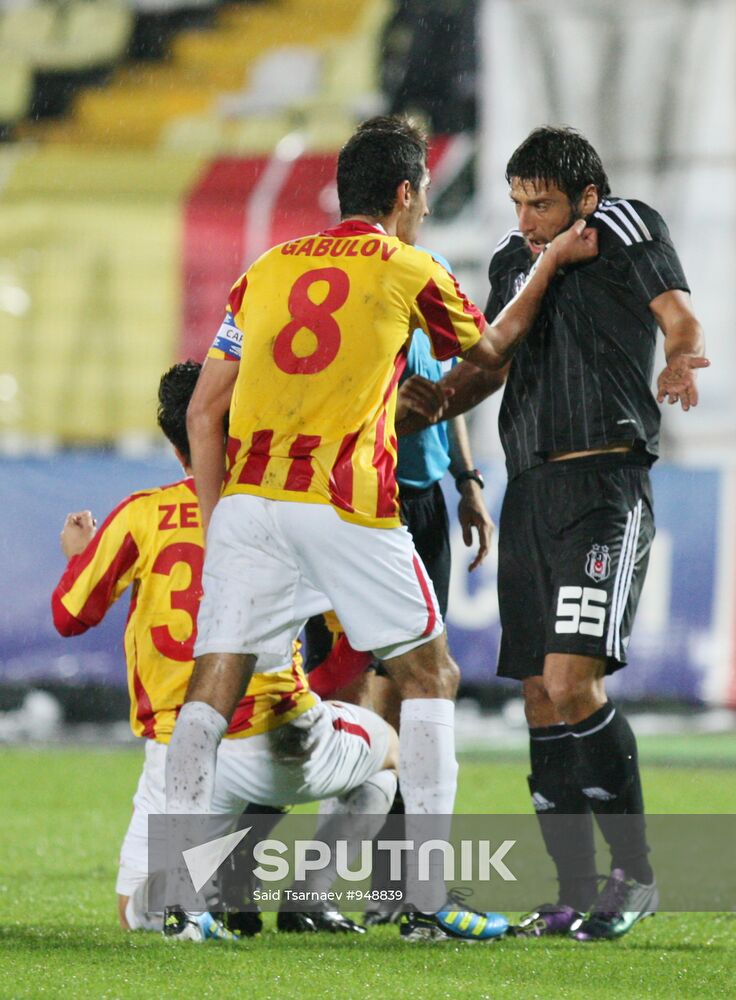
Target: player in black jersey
580	427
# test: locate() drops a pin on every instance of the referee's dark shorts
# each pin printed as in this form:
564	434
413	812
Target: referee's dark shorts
574	542
424	512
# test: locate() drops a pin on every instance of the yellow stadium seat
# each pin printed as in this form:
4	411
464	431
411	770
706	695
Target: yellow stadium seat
16	87
80	35
24	29
208	135
350	78
134	118
169	103
328	130
304	17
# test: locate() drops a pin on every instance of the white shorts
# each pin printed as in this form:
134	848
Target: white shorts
343	746
272	564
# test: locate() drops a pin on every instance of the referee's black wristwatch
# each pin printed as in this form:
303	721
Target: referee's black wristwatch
473	474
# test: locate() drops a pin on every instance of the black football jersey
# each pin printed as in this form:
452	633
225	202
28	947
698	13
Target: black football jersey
581	379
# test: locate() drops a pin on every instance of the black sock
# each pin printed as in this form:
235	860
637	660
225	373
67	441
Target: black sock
237	881
381	877
563	813
608	774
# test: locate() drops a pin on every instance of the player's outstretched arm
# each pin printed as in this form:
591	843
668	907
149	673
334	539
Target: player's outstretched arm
463	387
684	348
205	414
88	586
499	341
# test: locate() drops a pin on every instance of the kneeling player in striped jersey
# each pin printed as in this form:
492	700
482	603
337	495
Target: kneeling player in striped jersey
152	542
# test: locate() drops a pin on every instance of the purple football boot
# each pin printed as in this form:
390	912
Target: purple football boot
550	918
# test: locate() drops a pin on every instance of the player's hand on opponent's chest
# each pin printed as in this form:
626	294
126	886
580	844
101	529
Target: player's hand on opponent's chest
422	396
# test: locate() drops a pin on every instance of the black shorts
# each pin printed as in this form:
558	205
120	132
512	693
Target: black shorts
574	541
424	512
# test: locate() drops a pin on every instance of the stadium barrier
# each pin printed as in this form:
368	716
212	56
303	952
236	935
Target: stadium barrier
683	647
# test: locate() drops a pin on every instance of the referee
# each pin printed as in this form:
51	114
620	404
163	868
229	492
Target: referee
580	428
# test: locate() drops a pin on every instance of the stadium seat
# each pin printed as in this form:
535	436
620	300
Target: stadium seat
67	44
209	134
24	29
280	78
16	88
80	35
294	56
318	90
135	117
350	77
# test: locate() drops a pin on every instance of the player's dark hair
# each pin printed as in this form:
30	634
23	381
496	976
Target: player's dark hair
560	156
381	153
174	392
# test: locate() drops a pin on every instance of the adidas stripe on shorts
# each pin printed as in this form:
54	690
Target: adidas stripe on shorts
574	542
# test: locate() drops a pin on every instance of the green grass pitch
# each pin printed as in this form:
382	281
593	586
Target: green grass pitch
64	812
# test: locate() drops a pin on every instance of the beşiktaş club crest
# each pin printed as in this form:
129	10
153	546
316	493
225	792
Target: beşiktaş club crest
598	563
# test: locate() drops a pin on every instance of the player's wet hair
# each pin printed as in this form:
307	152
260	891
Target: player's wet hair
560	156
381	153
174	392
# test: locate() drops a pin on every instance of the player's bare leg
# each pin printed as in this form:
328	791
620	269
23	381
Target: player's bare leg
220	679
386	699
575	685
358	692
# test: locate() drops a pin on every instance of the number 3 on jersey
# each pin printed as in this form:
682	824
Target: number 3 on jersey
186	599
318	318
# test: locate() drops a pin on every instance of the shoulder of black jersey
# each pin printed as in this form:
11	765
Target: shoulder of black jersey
506	252
627	222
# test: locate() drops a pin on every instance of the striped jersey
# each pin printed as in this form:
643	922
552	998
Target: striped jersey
321	327
581	379
152	542
423	457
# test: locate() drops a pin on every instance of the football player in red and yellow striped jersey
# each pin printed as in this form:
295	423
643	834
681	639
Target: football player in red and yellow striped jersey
152	542
355	292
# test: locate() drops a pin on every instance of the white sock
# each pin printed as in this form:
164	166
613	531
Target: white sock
356	817
427	765
375	796
428	775
137	914
191	758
